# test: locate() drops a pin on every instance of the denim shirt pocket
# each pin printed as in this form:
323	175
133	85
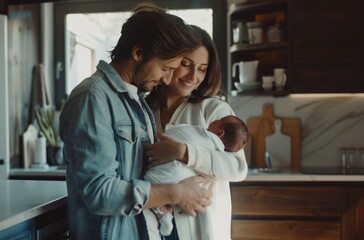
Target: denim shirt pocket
126	131
126	137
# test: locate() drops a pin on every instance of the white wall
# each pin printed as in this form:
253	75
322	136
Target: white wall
4	101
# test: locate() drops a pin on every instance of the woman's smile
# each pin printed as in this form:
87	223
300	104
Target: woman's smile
187	83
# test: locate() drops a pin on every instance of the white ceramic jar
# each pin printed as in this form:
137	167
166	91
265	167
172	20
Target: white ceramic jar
255	32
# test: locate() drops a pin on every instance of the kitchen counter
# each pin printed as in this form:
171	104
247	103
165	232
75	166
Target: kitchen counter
21	200
284	175
317	175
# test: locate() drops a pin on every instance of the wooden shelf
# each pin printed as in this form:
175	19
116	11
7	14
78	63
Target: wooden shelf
257	47
272	93
256	6
269	54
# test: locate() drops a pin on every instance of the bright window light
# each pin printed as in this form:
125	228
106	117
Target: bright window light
91	37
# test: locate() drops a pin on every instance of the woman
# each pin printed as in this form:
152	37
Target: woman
190	99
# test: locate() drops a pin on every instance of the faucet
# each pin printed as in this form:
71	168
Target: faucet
268	162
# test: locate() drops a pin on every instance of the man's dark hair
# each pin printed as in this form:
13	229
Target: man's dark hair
156	32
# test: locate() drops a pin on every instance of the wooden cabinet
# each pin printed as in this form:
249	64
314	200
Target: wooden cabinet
282	211
321	45
353	213
286	212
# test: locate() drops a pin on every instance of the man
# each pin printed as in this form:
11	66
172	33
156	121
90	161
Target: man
106	123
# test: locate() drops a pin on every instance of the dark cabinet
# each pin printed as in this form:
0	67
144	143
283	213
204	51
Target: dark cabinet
21	231
52	225
326	50
321	45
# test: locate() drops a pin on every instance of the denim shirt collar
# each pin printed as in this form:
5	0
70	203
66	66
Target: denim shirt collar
115	79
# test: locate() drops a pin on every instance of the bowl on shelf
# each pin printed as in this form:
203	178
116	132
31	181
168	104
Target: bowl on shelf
247	86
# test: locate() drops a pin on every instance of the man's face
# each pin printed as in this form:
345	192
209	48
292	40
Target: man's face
153	72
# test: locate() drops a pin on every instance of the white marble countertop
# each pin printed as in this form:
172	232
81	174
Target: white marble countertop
21	200
51	172
253	175
296	176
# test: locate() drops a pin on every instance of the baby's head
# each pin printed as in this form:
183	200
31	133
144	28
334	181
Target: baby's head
232	131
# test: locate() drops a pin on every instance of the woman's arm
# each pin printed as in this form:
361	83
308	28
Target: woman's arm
218	165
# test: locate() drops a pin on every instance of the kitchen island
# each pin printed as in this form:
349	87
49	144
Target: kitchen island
33	209
286	204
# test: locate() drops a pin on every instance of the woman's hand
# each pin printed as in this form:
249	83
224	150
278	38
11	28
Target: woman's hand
166	150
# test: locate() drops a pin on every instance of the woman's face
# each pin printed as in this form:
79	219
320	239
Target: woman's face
189	75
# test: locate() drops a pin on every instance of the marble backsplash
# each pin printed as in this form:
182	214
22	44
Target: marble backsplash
328	122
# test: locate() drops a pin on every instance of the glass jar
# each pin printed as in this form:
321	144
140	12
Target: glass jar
360	159
274	34
255	32
240	32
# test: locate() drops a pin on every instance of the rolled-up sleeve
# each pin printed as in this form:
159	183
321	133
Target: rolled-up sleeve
219	165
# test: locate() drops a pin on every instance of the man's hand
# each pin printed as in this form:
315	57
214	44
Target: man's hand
195	195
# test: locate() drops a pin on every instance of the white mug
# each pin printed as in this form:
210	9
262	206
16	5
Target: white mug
280	78
267	82
247	71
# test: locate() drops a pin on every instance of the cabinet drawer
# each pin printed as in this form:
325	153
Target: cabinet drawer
285	230
286	201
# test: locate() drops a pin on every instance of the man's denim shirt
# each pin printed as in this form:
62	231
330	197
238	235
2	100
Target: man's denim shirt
104	132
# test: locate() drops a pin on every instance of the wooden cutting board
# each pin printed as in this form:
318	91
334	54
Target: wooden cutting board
263	126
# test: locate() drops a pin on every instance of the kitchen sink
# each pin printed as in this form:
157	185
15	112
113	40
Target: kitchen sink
267	170
264	171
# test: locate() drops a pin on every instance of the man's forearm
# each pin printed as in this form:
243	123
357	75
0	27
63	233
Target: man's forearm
162	194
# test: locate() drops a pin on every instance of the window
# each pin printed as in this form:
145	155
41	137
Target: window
90	38
87	32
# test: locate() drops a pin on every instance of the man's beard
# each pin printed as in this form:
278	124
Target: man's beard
138	81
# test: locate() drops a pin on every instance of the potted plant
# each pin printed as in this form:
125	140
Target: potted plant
45	120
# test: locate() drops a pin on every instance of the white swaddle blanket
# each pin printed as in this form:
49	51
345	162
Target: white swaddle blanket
176	171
